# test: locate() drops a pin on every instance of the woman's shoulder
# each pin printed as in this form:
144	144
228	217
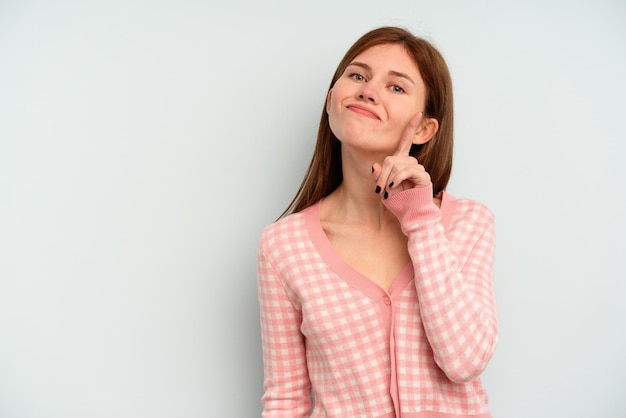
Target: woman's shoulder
289	228
466	209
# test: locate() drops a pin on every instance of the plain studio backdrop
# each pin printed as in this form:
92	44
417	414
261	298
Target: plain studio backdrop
145	144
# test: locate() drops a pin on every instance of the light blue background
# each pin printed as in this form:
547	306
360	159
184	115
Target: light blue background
145	144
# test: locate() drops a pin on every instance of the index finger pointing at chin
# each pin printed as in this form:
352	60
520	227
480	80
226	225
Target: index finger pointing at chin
404	147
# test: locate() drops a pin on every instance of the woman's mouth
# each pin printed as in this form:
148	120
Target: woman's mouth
363	110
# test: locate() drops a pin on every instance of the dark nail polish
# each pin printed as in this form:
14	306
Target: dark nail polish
386	195
377	189
391	185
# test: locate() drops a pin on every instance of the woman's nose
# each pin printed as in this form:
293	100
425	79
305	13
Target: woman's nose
367	93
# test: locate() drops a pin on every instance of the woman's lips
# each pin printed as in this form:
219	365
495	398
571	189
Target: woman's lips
362	110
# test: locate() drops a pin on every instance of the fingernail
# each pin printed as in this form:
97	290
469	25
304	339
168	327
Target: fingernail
386	195
391	185
377	189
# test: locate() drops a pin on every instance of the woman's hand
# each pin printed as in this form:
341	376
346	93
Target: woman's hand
400	171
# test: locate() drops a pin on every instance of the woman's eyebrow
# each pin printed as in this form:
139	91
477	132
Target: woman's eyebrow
391	72
403	75
361	64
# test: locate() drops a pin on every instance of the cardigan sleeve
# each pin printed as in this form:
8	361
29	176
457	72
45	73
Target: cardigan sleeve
287	390
454	282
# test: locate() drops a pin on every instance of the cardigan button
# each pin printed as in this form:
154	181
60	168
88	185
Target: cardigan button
387	300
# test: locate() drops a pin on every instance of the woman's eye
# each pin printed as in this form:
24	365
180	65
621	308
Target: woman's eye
397	89
357	77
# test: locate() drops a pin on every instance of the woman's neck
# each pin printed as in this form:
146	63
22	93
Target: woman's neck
355	201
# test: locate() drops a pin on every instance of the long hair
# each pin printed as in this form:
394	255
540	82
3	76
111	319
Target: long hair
324	173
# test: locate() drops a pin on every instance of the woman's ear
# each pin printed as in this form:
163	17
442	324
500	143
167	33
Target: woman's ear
328	96
425	131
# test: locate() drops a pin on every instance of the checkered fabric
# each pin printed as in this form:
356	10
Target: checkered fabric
414	351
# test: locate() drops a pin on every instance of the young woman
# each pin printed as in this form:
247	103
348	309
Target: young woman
375	286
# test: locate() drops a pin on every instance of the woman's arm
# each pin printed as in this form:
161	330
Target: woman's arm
454	284
287	390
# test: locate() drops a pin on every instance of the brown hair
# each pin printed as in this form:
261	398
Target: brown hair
324	174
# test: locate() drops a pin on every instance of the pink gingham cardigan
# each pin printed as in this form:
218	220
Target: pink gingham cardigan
415	351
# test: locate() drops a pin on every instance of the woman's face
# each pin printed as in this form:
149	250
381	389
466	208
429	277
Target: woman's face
372	102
